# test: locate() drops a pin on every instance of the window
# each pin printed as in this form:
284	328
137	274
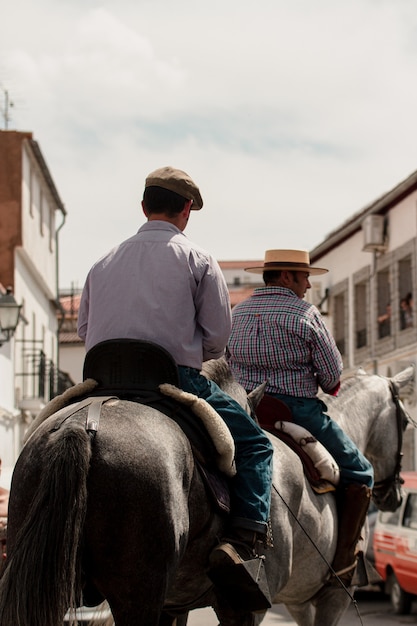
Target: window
31	190
41	211
35	194
406	313
338	311
49	222
410	513
361	292
339	317
384	304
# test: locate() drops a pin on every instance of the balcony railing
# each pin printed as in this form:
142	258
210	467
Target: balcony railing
40	377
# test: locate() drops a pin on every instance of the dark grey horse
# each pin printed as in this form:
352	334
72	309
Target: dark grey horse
126	516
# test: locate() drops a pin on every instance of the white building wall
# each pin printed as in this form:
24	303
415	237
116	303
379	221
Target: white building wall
402	222
347	260
71	360
41	329
9	435
35	286
6	376
38	218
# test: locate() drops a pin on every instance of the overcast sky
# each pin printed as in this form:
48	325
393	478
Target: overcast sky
291	115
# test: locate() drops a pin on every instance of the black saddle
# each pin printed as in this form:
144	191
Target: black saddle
126	366
133	370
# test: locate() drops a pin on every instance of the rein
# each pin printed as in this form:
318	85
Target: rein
381	487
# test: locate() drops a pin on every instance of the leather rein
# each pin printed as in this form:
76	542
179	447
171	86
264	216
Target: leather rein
381	487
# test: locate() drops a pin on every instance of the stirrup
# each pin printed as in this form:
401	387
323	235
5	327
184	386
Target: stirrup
242	583
365	573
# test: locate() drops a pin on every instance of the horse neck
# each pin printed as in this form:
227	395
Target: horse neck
358	410
368	416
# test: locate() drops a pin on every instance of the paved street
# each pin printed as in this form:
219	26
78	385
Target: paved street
374	610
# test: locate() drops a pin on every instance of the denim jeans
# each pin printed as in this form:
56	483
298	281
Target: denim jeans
310	414
251	487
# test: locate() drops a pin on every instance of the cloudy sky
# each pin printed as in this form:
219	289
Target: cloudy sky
291	115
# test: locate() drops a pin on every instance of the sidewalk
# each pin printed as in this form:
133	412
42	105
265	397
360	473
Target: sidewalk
373	611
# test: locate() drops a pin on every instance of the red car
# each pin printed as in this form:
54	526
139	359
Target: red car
395	548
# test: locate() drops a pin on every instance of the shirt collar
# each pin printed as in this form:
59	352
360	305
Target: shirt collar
160	225
275	290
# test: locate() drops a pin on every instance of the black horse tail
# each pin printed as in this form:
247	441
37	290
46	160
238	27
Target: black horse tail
42	575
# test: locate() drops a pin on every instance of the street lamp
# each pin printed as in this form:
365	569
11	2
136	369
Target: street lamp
9	315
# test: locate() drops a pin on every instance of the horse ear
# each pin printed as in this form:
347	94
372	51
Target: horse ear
256	395
360	371
404	377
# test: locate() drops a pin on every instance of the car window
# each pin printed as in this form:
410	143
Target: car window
410	513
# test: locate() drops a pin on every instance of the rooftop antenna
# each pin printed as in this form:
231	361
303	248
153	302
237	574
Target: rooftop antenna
8	104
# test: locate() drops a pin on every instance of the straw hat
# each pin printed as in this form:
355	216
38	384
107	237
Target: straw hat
294	260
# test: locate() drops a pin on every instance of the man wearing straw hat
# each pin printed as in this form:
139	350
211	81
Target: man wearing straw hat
278	336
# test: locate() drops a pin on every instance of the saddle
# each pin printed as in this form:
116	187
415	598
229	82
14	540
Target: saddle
128	367
319	467
134	370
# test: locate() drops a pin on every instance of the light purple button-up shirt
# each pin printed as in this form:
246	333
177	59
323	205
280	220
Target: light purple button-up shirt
160	287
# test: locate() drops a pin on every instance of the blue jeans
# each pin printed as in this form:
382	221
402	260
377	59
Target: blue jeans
310	414
251	487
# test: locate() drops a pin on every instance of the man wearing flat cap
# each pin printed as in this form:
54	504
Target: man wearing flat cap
160	287
279	337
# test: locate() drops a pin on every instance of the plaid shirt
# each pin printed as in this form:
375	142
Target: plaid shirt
279	338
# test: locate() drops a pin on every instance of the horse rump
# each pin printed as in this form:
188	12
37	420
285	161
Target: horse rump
41	579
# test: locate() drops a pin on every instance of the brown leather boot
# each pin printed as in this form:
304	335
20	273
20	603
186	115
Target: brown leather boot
352	510
236	567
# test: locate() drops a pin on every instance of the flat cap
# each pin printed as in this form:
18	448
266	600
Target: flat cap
177	181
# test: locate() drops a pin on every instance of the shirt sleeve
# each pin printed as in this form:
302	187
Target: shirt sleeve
213	310
327	360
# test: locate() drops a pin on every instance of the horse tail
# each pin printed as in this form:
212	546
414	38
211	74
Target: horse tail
42	575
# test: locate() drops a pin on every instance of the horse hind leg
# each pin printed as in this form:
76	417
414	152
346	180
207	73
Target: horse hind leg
331	603
140	605
326	609
303	614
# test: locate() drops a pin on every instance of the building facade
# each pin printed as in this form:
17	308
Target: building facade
31	216
369	293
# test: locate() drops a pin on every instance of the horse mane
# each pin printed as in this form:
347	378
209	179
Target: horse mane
350	387
349	382
218	371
